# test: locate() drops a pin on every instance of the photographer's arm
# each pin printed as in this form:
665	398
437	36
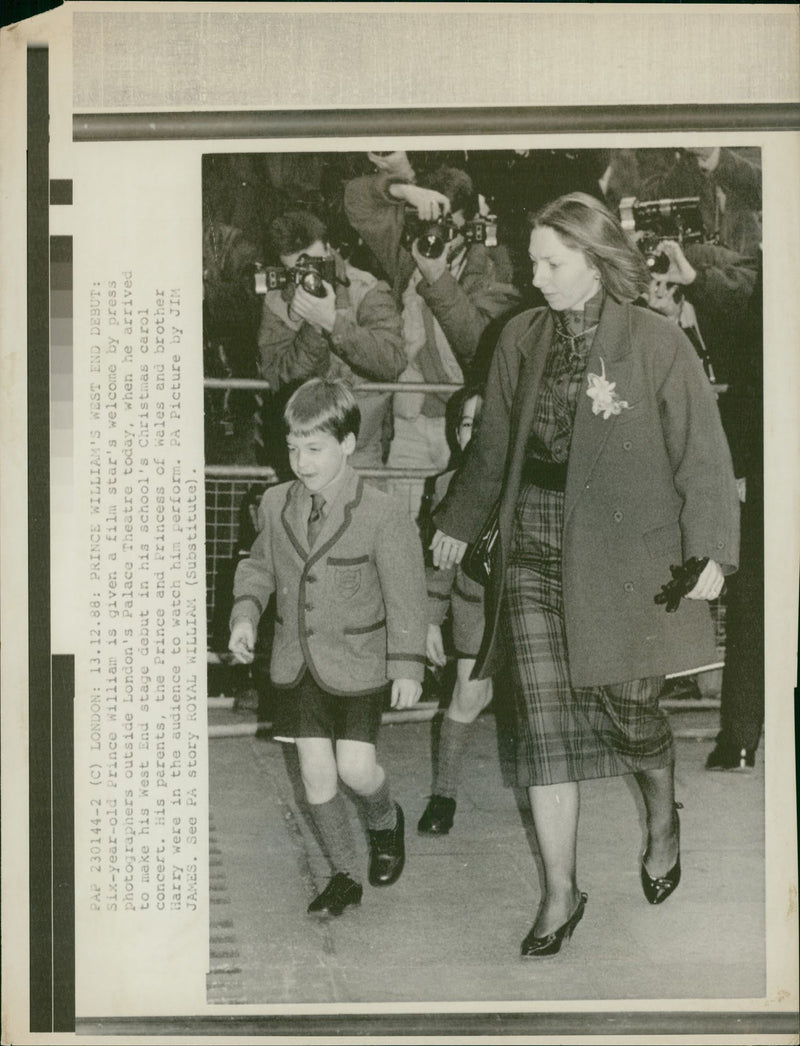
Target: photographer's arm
375	206
378	218
465	307
396	165
740	176
372	342
285	354
700	458
428	203
724	279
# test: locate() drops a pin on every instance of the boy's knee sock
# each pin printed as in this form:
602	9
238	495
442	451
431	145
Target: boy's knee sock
333	824
453	741
379	808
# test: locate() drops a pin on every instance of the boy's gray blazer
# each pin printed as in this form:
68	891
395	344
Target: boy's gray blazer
352	609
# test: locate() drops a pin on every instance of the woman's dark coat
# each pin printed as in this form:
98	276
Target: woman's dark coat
646	489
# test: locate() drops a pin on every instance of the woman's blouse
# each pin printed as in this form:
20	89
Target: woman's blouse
551	431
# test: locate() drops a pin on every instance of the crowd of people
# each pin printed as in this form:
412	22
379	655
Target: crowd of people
604	441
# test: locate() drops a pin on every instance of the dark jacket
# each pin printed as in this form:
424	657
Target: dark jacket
443	583
722	298
648	488
366	344
463	308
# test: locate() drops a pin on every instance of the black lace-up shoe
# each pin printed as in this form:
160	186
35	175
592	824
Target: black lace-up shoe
340	892
437	818
387	852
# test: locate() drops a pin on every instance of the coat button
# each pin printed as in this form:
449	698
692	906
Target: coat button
617	516
309	606
309	632
311	579
627	445
628	586
720	544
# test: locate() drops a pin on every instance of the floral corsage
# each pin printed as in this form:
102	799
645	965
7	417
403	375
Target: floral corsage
601	392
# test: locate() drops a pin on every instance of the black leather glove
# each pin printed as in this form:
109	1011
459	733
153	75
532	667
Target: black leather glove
684	578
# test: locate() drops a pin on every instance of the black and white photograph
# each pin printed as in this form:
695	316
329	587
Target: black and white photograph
399	522
633	277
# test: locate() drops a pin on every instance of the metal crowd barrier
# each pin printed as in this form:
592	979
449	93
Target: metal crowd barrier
259	385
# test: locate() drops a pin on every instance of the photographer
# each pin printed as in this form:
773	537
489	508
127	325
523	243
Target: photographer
718	285
728	182
447	300
351	330
230	322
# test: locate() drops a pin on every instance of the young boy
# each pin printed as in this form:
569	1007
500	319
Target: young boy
346	566
452	589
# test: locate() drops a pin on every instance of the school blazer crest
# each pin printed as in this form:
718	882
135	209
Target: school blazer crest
352	608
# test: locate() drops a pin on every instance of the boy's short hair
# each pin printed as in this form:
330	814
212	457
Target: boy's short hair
323	405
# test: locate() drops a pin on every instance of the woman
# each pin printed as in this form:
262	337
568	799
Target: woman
601	437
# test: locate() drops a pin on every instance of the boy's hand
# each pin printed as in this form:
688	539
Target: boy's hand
434	646
405	693
242	641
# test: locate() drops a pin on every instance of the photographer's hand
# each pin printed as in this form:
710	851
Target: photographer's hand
680	269
428	203
431	268
319	312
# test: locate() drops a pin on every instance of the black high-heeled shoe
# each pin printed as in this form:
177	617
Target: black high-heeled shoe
540	947
659	889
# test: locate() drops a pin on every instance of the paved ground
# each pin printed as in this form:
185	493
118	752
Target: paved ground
450	928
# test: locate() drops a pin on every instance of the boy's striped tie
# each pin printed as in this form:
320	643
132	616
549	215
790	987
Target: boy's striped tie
315	518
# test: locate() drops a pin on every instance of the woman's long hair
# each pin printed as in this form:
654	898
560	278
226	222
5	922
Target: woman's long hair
585	223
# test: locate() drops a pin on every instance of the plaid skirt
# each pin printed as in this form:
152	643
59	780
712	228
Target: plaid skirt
566	733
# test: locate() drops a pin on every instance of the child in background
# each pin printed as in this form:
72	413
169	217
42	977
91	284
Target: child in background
346	567
452	589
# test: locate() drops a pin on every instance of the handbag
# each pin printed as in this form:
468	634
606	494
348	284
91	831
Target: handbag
477	561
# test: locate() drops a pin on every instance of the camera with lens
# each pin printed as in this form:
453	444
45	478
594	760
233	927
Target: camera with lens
657	220
309	273
432	237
